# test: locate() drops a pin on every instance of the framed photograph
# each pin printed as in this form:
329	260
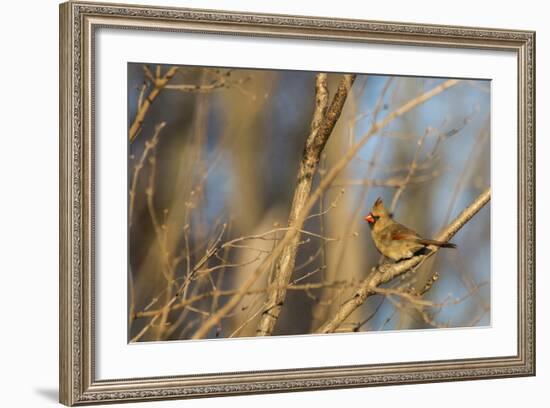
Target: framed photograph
262	203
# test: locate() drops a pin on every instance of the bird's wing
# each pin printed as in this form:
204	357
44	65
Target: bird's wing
400	233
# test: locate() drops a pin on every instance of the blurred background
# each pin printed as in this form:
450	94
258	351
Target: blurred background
215	159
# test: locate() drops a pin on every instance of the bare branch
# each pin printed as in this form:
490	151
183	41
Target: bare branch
322	124
149	146
158	84
218	293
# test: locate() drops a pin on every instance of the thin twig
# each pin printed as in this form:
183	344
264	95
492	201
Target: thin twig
159	83
230	292
149	146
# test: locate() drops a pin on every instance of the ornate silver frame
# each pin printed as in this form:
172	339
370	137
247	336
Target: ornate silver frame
78	22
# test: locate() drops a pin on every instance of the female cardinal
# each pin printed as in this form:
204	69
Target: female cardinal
393	240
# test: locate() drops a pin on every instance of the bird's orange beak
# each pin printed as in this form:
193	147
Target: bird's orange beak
369	218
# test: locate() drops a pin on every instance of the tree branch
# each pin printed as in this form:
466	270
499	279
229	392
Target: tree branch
322	124
386	272
159	83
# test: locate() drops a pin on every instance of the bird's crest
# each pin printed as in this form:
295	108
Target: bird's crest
378	207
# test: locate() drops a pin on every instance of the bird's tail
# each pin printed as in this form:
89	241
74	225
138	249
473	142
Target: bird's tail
438	243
